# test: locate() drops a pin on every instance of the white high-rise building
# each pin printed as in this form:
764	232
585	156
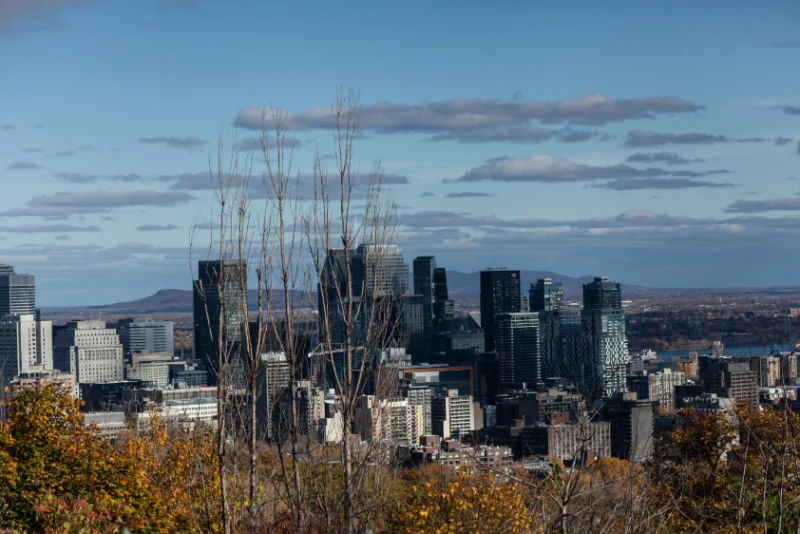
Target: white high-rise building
17	292
421	396
452	414
26	345
90	351
389	419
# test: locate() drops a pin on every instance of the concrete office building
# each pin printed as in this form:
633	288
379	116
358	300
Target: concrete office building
144	335
90	351
17	292
25	346
152	367
110	424
184	414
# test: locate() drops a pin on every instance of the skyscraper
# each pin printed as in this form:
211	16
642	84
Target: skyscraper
25	346
499	294
17	292
219	292
424	267
546	295
379	276
517	347
602	294
443	307
606	356
380	270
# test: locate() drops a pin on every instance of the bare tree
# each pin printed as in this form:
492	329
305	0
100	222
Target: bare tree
357	303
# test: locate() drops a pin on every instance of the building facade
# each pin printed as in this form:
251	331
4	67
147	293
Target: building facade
499	294
26	345
452	414
605	361
152	367
90	351
220	291
143	334
631	421
517	347
423	267
545	295
395	420
17	292
658	388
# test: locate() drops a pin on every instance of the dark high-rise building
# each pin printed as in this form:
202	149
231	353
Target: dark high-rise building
17	292
730	379
562	344
499	294
605	358
410	321
631	422
379	271
517	348
602	294
219	291
424	267
545	295
379	281
443	307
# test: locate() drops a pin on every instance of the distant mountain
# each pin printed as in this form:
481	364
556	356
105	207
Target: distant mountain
462	286
180	301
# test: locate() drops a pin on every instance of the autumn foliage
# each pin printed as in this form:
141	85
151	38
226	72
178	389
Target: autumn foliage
738	472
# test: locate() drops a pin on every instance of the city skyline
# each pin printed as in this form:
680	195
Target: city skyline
665	157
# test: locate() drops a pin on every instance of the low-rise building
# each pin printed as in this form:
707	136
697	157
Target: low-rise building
63	381
152	368
110	424
454	454
183	414
580	441
709	403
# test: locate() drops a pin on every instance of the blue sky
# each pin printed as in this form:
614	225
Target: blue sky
655	144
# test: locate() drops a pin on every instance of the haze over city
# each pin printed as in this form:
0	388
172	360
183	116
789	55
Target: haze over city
656	144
